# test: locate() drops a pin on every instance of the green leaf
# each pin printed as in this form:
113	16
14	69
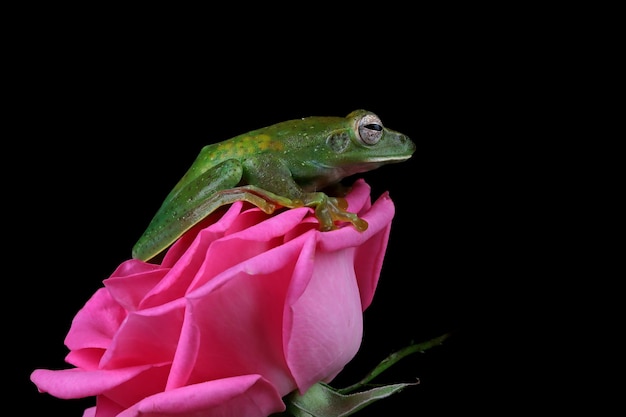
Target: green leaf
322	400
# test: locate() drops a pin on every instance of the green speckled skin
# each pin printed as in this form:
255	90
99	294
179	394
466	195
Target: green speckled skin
285	164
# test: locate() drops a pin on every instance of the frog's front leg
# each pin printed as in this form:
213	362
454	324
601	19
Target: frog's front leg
274	181
328	210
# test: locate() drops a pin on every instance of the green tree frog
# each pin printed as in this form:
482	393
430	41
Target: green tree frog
284	165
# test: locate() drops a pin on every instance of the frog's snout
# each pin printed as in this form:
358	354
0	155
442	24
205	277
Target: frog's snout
406	141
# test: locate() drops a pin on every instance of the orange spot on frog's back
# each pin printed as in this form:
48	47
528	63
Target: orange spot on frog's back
247	145
264	142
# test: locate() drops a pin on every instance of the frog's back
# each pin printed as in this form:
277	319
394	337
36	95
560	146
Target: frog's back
291	134
240	147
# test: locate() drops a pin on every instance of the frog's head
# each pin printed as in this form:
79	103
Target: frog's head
373	143
325	150
363	143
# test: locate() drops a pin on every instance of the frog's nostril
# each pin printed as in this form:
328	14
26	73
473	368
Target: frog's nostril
406	141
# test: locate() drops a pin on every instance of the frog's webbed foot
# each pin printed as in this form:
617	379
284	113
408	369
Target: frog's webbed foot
330	210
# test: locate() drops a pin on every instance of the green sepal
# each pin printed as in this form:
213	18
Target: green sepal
321	400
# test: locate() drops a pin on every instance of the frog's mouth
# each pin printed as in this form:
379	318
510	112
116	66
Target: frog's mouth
386	160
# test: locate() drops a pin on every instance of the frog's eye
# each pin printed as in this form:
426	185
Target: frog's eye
370	129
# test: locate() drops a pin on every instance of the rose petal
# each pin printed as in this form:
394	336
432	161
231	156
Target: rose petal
237	248
146	336
323	315
95	325
87	359
216	249
106	407
246	395
237	317
77	383
359	196
134	267
216	224
370	245
130	289
128	393
186	255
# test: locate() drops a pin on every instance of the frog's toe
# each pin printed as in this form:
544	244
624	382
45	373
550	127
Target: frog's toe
360	224
341	203
335	211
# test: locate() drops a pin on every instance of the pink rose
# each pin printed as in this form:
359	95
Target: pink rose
240	313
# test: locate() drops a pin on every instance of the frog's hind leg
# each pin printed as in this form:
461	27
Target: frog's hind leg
188	203
263	199
243	193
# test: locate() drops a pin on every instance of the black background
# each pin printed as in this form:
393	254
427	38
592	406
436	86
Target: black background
105	129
